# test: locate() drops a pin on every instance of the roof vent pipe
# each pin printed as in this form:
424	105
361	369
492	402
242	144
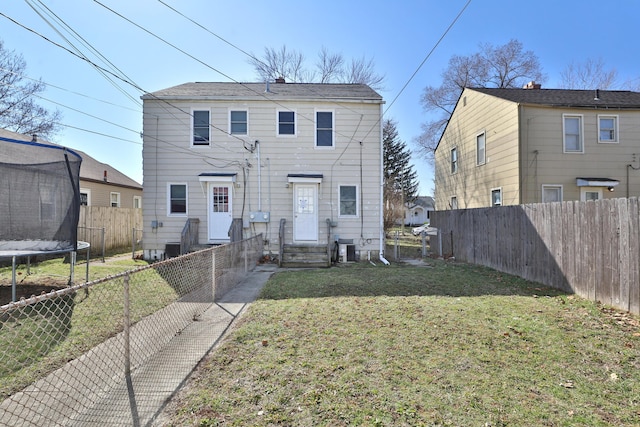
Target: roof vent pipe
105	176
267	89
597	98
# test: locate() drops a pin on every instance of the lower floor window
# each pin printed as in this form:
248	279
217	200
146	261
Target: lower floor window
551	193
348	200
177	198
496	197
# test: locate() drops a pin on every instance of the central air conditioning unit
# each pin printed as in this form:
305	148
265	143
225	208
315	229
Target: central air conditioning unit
346	250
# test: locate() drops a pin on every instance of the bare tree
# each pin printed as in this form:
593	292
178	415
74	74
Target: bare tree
330	65
18	109
591	74
330	68
506	66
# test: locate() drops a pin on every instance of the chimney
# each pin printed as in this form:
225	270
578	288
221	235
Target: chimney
532	85
280	80
105	176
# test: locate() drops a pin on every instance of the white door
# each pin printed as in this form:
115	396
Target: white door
305	213
220	212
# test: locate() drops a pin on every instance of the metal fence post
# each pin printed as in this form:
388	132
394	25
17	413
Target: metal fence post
127	330
424	244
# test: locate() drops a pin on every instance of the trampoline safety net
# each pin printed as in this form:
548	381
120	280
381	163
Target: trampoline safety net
39	196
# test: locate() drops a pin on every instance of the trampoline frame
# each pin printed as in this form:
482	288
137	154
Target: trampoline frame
14	255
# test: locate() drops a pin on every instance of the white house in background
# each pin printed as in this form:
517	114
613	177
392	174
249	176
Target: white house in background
302	161
419	211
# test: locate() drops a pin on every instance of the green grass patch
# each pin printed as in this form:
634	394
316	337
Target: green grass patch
40	338
447	345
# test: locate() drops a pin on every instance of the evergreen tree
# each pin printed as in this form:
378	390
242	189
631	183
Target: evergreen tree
400	180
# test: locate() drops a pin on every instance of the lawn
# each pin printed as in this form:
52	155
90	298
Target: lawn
448	344
40	338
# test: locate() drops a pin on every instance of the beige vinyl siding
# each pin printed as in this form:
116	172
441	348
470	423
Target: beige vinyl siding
550	166
173	160
101	193
473	183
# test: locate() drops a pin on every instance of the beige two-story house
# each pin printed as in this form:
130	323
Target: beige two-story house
301	161
530	145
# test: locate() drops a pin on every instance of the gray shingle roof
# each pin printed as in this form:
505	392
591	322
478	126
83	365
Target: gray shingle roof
275	91
90	169
618	99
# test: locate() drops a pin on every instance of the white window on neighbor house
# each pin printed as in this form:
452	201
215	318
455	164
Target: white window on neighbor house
573	133
115	199
137	202
324	129
286	123
496	196
607	129
238	122
177	199
200	127
551	193
85	197
348	200
454	160
453	202
590	193
481	156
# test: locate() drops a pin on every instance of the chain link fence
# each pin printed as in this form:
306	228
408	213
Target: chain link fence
63	353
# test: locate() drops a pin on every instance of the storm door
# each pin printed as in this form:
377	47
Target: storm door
220	212
305	213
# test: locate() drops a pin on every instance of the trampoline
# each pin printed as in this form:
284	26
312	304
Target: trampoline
39	202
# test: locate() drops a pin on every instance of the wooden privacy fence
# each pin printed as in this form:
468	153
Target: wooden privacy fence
118	224
589	248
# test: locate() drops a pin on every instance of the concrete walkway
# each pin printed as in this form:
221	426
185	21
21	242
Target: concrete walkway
139	399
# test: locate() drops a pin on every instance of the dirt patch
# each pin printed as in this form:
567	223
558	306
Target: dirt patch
27	290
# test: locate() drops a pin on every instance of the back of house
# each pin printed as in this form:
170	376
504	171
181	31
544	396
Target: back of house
298	163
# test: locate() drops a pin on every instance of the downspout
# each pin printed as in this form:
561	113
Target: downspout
382	258
259	177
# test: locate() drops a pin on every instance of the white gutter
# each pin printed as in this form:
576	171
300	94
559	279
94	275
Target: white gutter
382	259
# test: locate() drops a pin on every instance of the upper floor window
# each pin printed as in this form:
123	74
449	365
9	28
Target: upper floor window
137	202
454	160
572	128
238	122
480	149
496	197
551	193
115	200
324	129
286	123
348	200
608	129
200	127
177	199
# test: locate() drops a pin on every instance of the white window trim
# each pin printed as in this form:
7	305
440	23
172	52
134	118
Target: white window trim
88	192
357	215
452	172
229	120
499	189
295	124
585	190
169	213
564	133
484	158
333	129
111	194
615	130
191	120
139	199
559	186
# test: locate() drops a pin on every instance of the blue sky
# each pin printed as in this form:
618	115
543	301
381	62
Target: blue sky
397	35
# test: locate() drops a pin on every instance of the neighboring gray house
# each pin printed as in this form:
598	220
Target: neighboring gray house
303	161
100	183
419	211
